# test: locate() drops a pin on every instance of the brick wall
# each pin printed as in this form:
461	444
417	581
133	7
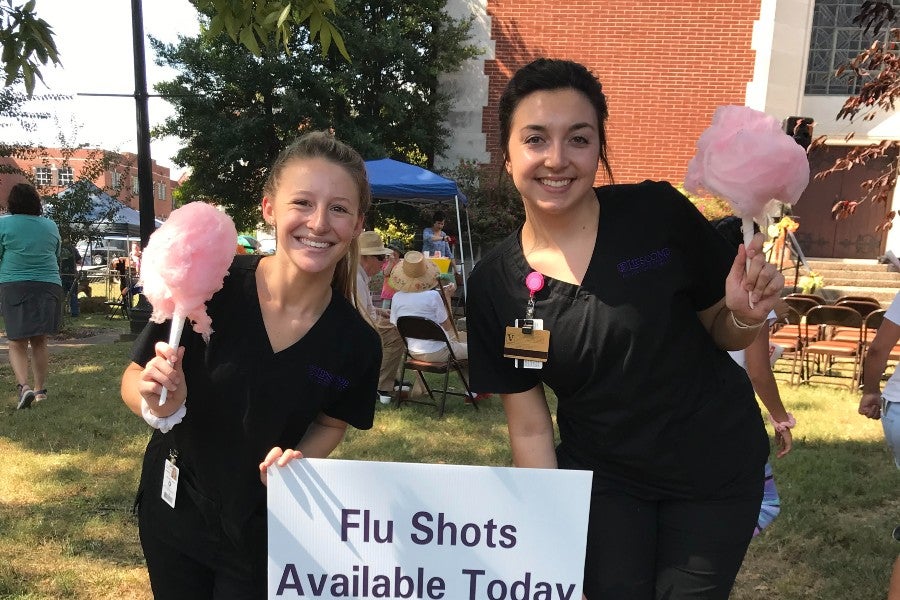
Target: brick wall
664	65
125	167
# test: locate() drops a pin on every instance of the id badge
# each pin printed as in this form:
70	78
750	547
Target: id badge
528	343
170	483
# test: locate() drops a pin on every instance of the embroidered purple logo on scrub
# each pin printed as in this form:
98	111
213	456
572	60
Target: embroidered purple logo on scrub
654	260
325	379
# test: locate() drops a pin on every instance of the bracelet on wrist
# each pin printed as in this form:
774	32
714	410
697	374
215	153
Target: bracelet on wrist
781	426
741	325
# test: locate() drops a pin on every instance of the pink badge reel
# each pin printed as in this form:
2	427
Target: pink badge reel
534	281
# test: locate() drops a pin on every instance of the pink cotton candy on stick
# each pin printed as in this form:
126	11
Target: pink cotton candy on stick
184	264
746	158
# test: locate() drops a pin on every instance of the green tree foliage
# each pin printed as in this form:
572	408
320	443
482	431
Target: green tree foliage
236	110
258	23
495	207
877	69
76	214
27	43
73	211
13	111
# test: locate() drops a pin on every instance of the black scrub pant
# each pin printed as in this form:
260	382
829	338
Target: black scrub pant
666	549
188	555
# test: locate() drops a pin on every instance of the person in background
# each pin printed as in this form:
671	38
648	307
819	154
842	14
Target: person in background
884	404
435	239
291	363
31	289
69	259
758	360
135	256
372	255
420	294
639	322
876	403
387	292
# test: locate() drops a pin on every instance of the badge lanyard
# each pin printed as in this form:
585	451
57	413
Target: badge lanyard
528	343
534	281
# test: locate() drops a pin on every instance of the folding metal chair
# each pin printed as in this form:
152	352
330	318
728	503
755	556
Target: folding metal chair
872	323
786	332
863	298
118	307
820	322
426	329
802	303
863	307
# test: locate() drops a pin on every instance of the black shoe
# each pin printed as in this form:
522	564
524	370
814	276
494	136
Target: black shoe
26	396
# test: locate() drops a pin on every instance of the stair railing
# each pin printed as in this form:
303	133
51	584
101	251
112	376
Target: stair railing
792	245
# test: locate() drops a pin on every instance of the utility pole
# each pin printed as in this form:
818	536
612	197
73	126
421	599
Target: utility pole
145	165
140	314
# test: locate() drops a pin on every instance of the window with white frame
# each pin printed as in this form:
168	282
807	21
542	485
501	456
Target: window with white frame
161	191
65	176
115	179
42	176
834	41
135	188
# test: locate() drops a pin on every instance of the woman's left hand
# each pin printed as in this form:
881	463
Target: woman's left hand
785	441
759	281
279	457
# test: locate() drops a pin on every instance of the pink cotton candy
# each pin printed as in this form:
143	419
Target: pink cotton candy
186	261
745	158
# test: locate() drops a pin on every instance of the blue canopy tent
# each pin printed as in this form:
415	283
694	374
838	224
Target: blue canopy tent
395	181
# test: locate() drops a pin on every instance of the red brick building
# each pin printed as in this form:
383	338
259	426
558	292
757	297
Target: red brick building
664	66
52	171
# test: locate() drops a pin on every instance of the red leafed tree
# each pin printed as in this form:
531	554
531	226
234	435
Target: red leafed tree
877	69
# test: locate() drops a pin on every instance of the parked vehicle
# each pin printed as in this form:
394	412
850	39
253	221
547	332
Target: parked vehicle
105	250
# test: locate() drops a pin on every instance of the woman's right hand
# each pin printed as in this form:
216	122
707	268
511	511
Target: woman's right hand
164	371
870	405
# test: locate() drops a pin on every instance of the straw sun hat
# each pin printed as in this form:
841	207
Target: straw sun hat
370	244
414	273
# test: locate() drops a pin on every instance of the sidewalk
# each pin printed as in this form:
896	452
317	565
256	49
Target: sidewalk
109	337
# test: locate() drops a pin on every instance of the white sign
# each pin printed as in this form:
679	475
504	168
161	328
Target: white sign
357	529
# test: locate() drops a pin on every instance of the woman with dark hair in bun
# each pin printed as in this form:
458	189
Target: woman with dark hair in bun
641	298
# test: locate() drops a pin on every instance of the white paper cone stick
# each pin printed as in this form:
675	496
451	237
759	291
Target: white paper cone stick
747	230
174	338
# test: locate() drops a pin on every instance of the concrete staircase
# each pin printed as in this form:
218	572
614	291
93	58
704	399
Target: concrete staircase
844	276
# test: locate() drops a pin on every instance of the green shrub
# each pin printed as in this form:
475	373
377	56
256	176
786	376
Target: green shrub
495	207
710	207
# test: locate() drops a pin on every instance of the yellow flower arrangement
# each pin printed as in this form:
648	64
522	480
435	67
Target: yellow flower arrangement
810	283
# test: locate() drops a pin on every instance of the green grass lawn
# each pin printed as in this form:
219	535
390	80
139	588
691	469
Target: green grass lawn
71	464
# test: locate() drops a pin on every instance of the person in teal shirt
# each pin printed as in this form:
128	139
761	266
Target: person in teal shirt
30	288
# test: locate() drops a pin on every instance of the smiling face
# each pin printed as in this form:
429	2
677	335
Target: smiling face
554	150
315	209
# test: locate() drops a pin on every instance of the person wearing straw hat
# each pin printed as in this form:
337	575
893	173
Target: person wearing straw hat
416	280
372	254
387	292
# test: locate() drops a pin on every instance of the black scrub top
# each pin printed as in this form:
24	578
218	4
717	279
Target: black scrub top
244	398
645	398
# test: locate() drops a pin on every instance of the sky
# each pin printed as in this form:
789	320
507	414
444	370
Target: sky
94	40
